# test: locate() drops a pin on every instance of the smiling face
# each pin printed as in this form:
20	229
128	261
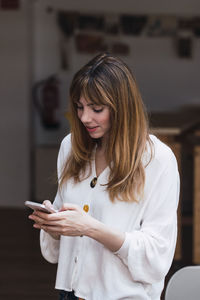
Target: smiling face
95	118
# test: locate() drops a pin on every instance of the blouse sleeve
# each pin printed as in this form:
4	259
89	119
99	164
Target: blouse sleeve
148	252
50	246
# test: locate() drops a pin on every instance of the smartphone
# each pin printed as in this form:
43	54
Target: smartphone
39	206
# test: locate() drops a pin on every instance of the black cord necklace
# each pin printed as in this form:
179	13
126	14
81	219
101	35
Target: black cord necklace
93	182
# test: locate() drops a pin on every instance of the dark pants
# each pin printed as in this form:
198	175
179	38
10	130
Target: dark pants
63	295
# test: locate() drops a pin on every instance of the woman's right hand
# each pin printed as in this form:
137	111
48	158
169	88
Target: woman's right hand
40	220
48	204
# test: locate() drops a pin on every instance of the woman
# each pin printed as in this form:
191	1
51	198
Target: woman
115	233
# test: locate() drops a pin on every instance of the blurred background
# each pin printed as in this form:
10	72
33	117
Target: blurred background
42	44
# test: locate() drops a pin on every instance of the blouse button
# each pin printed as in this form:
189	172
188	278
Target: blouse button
86	208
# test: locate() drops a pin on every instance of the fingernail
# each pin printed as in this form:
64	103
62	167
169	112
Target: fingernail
36	226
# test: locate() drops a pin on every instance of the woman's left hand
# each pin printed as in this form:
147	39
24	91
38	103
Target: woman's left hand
71	220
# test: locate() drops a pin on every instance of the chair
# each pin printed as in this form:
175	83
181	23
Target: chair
184	284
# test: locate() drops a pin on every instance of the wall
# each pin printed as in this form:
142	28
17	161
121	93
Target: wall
166	81
15	106
128	6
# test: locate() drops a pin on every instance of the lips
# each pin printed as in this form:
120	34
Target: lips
91	129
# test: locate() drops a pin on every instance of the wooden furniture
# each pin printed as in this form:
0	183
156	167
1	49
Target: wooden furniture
168	135
173	129
196	210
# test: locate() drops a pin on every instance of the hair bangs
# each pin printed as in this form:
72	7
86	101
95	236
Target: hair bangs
93	92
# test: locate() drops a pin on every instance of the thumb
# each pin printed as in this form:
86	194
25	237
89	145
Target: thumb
47	203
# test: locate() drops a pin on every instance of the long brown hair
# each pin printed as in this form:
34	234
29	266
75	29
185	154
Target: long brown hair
106	80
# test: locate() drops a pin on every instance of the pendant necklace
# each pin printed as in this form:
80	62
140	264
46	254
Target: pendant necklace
93	182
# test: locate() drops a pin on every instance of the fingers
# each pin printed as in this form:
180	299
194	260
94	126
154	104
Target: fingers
36	218
69	206
47	228
44	218
57	230
39	220
66	206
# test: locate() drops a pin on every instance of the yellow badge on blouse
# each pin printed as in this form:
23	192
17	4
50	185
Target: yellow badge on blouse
86	208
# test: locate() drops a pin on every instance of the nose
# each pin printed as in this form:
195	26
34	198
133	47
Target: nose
86	116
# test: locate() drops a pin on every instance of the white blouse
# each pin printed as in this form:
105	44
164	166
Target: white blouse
137	270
